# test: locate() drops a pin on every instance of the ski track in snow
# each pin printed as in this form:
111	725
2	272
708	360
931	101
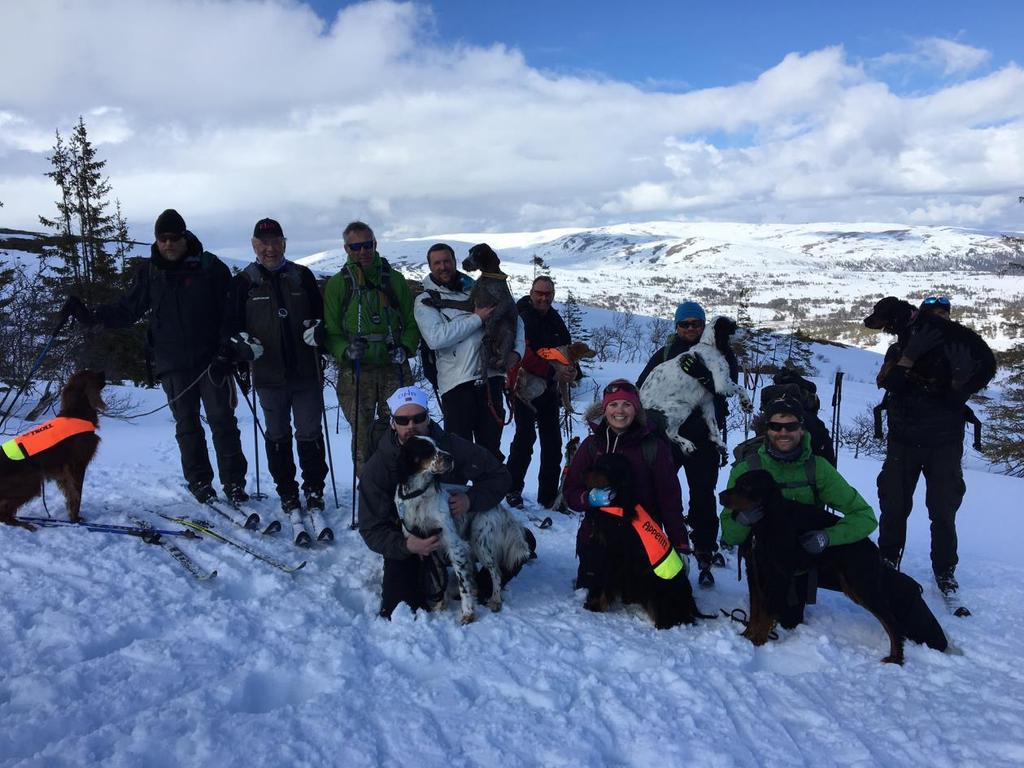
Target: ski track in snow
112	655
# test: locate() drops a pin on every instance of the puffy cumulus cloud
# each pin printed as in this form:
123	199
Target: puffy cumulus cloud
230	110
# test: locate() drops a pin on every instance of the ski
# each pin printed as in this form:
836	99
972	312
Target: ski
542	523
318	524
186	562
203	528
300	535
250	521
127	530
954	606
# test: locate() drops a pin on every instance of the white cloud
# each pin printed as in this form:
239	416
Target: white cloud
939	54
231	110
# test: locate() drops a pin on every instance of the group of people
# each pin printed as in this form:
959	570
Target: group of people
270	325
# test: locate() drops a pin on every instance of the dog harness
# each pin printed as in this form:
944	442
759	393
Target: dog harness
45	436
553	355
664	559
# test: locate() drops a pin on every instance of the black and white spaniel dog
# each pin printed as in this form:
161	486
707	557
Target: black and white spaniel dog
493	537
677	394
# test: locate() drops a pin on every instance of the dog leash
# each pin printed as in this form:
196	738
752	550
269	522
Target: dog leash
168	403
740	617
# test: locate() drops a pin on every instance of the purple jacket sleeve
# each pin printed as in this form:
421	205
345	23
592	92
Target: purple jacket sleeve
670	497
575	491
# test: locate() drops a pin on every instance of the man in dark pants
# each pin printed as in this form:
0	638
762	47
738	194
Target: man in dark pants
926	436
413	570
278	302
183	289
453	328
540	417
702	465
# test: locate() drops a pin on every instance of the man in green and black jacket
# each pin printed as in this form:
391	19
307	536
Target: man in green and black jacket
370	331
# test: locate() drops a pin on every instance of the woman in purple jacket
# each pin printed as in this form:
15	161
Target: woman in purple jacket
620	426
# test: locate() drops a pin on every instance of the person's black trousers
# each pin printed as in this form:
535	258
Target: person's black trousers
467	413
543	422
701	469
943	474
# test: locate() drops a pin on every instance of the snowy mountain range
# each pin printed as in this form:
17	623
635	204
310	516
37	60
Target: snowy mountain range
820	277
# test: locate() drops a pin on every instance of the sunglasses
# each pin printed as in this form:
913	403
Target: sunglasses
932	300
690	324
366	245
620	386
416	418
169	238
784	426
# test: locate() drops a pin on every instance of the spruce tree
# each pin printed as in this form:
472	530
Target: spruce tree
1003	445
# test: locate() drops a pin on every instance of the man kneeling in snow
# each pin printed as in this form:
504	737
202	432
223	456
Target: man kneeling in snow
414	570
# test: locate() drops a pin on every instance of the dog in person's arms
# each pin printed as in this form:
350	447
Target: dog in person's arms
615	561
677	394
58	450
491	290
774	556
493	536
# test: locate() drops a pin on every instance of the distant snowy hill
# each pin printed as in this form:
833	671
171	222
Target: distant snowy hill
819	277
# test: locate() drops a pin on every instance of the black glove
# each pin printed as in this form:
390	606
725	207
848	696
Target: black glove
749	517
961	364
398	355
75	307
814	542
925	340
246	346
223	365
694	366
315	335
357	348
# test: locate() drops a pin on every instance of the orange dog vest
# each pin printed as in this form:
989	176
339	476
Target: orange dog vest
553	355
45	436
664	559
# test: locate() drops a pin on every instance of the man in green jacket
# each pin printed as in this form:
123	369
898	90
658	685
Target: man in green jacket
371	332
802	477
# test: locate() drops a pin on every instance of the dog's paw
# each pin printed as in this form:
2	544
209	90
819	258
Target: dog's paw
685	445
494	604
467	618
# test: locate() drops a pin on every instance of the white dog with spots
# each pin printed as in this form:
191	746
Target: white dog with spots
677	394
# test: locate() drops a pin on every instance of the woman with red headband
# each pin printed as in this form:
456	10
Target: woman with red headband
619	425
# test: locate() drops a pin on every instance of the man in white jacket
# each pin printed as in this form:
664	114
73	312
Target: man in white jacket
454	329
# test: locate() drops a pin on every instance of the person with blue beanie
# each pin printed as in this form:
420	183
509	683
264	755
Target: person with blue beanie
702	465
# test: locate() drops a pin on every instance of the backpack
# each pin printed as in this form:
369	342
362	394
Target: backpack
385	288
748	451
789	383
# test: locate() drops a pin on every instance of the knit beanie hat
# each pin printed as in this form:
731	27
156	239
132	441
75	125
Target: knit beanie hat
621	389
690	310
785	404
169	223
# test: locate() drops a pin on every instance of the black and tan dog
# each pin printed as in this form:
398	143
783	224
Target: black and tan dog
58	450
775	558
627	556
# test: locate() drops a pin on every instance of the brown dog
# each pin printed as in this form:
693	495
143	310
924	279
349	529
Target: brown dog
27	461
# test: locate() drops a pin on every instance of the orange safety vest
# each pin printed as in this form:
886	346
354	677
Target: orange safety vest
553	355
664	559
45	436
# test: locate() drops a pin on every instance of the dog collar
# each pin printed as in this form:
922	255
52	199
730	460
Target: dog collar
415	494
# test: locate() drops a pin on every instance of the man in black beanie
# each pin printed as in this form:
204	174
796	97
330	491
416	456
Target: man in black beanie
183	289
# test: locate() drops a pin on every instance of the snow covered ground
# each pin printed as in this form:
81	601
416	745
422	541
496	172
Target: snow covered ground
111	655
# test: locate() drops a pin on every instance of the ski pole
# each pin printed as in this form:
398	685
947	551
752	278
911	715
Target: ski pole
255	436
837	401
28	379
327	439
355	442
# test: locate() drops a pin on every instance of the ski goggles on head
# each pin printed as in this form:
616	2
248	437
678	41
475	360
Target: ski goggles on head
783	426
931	301
416	418
620	385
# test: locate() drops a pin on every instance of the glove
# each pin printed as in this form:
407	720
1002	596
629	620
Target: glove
694	366
246	346
925	340
244	379
961	364
75	307
315	335
357	348
814	542
399	355
749	517
600	497
723	456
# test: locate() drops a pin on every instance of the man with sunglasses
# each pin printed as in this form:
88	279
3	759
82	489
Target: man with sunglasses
183	288
544	328
701	466
371	332
413	570
276	303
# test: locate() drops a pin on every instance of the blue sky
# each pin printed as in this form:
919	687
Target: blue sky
492	116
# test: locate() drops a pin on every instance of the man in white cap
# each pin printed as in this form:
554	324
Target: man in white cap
413	570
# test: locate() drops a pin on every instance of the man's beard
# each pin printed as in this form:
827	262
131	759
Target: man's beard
455	282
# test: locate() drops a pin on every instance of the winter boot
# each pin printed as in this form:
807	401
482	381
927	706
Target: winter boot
203	491
315	501
704	576
946	581
514	500
236	493
290	503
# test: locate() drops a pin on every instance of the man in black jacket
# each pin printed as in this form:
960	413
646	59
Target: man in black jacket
544	327
413	571
183	288
278	303
702	465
